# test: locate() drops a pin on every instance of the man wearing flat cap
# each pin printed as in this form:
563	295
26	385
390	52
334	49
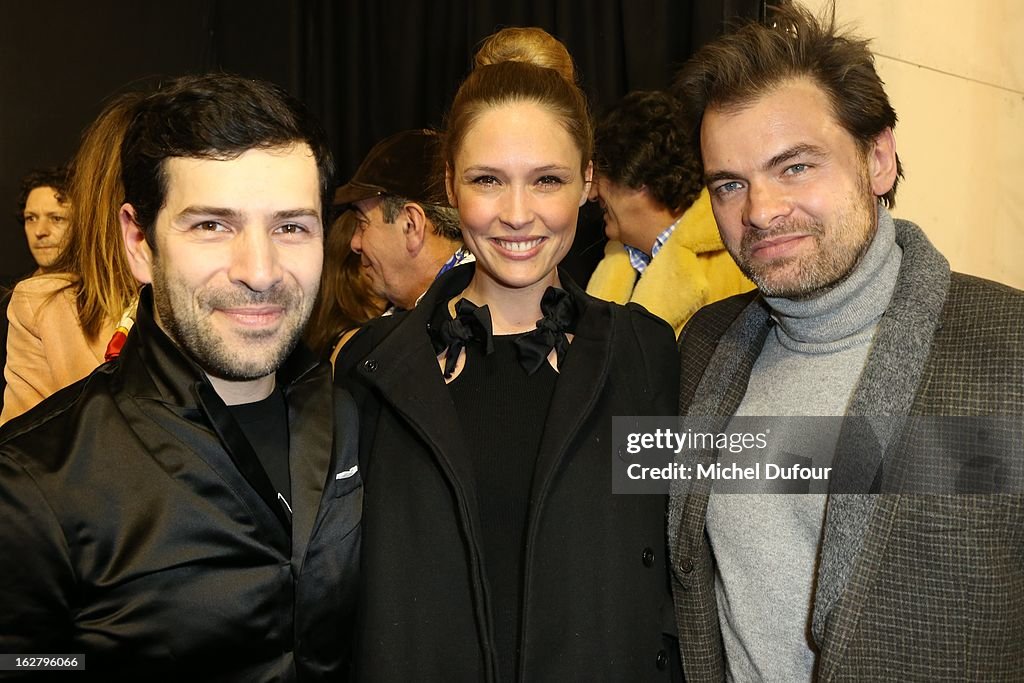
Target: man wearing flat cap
406	234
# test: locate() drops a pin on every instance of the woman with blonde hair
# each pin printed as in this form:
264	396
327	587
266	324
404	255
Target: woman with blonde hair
65	323
493	547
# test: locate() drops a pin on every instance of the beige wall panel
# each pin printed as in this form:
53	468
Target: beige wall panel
978	40
954	72
962	145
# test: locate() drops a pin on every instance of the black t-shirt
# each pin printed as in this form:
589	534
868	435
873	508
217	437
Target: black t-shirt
265	425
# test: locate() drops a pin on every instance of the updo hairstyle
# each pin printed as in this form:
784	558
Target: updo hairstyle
520	65
530	45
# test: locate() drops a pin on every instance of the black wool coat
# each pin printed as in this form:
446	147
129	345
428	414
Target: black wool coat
596	599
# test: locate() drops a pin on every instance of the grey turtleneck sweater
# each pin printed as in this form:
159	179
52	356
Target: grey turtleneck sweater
766	545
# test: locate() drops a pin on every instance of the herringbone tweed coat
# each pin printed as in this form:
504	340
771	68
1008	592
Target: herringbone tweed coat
909	586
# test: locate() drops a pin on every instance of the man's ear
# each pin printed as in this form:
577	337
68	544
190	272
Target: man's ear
882	162
449	187
588	178
414	226
140	256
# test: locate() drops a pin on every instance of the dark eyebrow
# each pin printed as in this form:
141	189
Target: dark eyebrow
793	152
710	178
777	160
211	211
296	213
233	215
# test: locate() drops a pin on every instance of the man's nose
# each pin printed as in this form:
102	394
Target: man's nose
765	205
356	243
42	228
255	261
593	193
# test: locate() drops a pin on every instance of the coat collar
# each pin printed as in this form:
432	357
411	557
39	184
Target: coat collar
674	285
162	371
153	368
404	370
405	359
885	392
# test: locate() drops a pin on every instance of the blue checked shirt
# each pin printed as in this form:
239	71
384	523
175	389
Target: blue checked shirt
639	259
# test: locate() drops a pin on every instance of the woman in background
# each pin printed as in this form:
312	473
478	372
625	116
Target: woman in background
493	546
63	324
345	301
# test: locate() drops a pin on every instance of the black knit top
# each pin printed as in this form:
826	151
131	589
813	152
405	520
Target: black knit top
503	411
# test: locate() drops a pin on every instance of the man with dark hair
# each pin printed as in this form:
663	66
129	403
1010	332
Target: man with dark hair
43	211
406	234
664	251
192	509
856	316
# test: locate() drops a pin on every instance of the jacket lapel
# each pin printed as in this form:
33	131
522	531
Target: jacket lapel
884	394
311	441
577	389
405	371
717	397
724	384
155	369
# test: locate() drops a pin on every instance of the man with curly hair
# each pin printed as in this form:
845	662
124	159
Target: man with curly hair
43	211
664	251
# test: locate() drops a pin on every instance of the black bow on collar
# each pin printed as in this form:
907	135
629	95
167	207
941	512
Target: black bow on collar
473	323
559	318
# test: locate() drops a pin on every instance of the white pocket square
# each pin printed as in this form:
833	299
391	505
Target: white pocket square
347	473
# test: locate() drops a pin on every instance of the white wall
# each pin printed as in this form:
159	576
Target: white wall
954	72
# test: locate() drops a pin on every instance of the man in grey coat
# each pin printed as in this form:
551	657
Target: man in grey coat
856	315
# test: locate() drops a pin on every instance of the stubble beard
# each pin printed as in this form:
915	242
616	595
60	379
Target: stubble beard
185	316
837	252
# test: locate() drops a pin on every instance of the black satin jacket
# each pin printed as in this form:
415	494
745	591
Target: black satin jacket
137	527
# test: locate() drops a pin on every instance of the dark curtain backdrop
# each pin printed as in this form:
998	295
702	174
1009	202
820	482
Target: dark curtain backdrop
368	69
392	64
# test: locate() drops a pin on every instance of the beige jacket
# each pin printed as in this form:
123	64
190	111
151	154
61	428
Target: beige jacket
46	347
692	270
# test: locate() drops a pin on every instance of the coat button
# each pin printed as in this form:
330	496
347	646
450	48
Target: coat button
370	365
648	557
686	565
662	660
